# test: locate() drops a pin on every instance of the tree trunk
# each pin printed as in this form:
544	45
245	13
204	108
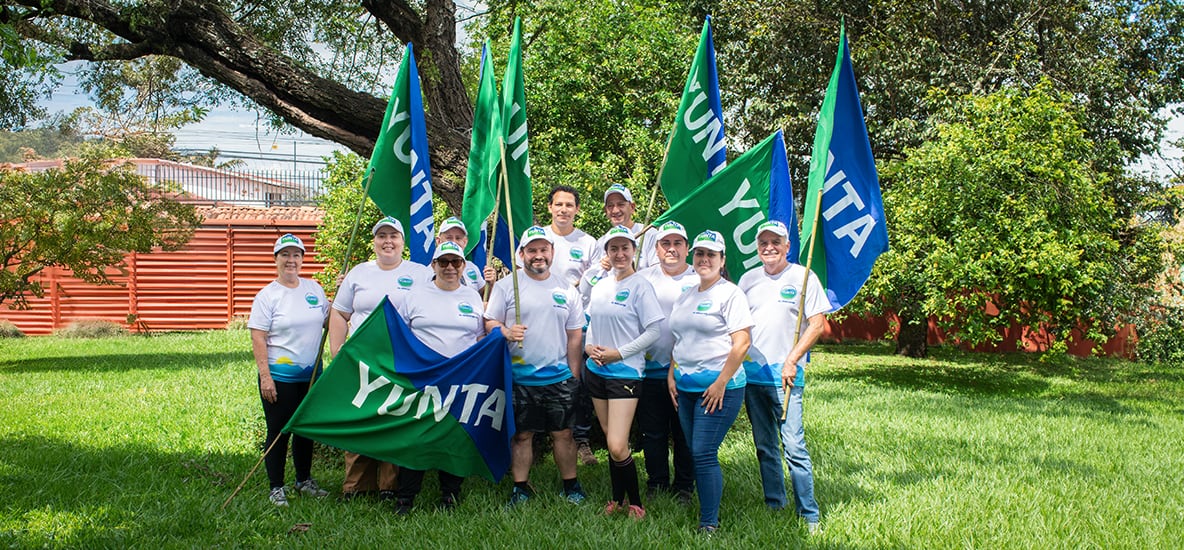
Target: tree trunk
913	339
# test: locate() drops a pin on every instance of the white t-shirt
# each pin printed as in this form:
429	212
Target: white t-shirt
619	312
703	323
448	321
649	248
573	254
668	289
773	300
550	308
364	286
471	277
293	319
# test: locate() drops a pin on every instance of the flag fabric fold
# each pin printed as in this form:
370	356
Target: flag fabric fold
517	198
852	231
400	170
696	149
389	396
480	196
738	199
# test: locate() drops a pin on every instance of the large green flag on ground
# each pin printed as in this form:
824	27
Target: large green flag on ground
517	152
484	159
401	177
843	193
736	200
388	396
696	149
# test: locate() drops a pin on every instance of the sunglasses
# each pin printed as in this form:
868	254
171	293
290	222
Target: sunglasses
455	262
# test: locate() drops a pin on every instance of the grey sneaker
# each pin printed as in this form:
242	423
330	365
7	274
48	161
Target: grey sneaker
587	458
517	496
309	488
813	527
278	496
576	495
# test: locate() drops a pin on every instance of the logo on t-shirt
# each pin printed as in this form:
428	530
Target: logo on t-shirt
577	253
703	306
406	281
622	295
595	279
684	289
472	275
465	308
311	299
788	292
559	297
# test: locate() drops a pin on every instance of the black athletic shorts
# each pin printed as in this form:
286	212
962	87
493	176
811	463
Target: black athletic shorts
611	388
547	408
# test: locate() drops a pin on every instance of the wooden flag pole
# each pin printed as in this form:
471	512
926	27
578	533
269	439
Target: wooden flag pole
250	473
802	296
649	211
510	226
497	204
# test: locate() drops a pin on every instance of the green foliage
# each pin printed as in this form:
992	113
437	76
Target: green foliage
49	141
1006	206
84	217
341	191
92	328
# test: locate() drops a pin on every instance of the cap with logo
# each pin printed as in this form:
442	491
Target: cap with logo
619	231
534	233
671	228
620	190
775	227
709	240
286	240
388	222
452	222
448	249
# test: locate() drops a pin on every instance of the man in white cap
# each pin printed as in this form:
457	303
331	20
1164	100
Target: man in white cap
573	247
776	361
360	292
619	209
453	230
546	352
656	417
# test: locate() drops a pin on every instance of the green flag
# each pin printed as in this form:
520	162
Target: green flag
517	154
484	157
735	201
696	150
389	396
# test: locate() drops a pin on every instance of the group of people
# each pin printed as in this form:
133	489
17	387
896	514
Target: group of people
623	318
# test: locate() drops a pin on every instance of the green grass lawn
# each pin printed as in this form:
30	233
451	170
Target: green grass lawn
137	442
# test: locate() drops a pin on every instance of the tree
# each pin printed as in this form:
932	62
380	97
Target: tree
84	217
1003	216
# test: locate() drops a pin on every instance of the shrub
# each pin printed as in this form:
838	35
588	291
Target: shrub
92	328
239	322
9	330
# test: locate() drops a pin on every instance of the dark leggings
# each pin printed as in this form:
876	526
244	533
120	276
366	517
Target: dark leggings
288	396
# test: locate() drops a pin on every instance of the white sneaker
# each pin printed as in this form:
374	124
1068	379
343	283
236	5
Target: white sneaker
309	488
278	497
813	528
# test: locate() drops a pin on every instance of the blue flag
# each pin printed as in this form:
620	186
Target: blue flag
389	396
843	193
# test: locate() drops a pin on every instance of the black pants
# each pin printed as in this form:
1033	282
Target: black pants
411	481
288	396
659	425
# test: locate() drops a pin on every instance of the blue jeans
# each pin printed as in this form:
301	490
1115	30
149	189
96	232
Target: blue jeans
705	433
763	404
659	425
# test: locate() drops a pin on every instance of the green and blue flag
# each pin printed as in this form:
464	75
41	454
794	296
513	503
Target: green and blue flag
480	197
852	231
389	396
517	199
696	149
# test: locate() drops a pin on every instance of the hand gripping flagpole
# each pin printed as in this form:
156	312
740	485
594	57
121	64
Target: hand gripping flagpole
510	225
349	248
497	202
802	296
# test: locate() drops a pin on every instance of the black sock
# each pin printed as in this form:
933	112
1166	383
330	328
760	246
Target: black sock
569	485
523	485
629	473
615	476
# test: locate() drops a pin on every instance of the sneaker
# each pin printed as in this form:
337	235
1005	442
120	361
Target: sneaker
576	495
652	491
278	496
813	528
587	458
517	496
612	507
309	488
386	496
707	530
448	503
349	495
636	512
403	506
685	497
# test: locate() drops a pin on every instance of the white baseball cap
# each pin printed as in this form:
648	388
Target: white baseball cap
620	190
710	240
451	223
671	228
286	240
775	227
388	222
534	233
619	231
448	248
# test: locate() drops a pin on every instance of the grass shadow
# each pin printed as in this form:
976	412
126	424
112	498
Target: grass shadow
121	362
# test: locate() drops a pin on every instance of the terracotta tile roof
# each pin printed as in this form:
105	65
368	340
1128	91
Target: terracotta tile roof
225	212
